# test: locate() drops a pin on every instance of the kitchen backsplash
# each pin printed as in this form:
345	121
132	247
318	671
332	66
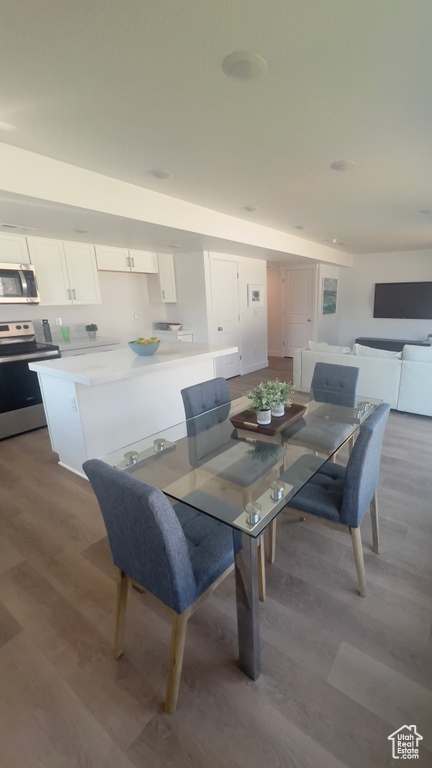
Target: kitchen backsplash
123	296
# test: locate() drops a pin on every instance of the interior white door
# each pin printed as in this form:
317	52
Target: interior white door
225	314
298	309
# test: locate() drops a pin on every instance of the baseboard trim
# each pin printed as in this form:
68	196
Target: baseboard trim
254	367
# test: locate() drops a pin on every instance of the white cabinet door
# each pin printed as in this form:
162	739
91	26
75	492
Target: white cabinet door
167	277
82	272
143	261
13	249
49	262
112	259
162	287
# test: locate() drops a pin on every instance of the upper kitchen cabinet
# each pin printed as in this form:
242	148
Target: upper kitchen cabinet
143	261
111	259
82	272
162	286
66	272
13	249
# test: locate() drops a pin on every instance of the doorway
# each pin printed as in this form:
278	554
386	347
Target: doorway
298	308
225	314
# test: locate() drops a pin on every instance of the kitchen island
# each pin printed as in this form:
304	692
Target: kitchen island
97	402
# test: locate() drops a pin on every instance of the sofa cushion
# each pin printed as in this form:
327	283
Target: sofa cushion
417	354
415	387
359	349
322	346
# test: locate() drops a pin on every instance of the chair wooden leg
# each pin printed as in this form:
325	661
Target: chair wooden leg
261	570
178	638
272	542
375	523
120	618
359	561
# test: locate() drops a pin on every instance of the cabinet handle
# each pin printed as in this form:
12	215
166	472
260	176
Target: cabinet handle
73	293
163	294
69	294
128	261
220	328
133	262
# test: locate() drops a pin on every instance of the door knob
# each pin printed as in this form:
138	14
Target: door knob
309	320
220	328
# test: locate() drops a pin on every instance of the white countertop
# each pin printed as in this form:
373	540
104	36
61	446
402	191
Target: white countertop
84	342
103	367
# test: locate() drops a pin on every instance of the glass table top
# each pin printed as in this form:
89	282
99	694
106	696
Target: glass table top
238	474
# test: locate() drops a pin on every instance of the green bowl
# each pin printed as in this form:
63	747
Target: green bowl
144	349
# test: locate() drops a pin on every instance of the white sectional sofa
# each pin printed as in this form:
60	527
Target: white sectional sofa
404	379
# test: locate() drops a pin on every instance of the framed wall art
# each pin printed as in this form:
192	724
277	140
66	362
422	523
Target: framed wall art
255	295
329	295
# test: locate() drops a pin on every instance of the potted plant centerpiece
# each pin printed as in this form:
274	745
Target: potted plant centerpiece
260	403
91	330
279	394
269	399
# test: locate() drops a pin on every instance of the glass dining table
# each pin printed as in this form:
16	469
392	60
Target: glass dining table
225	465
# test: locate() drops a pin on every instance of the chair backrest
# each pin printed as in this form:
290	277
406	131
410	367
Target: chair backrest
145	537
202	397
362	473
208	428
335	384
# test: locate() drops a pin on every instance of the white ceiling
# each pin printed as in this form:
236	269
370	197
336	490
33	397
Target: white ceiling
124	87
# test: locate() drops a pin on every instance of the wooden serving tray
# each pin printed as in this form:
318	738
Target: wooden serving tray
248	420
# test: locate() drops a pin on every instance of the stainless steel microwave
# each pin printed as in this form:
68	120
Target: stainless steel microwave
18	284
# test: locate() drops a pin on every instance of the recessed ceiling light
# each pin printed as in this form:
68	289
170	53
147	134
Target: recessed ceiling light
82	231
343	165
243	65
160	173
300	226
426	210
250	208
18	226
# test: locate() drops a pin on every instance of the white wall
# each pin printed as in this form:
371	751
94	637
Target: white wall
194	304
274	311
356	295
253	325
191	306
327	325
122	295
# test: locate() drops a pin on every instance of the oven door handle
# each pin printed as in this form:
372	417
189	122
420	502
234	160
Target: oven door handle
30	356
24	286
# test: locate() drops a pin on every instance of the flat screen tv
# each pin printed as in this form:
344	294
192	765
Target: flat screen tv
412	301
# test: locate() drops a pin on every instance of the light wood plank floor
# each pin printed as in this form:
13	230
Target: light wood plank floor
339	673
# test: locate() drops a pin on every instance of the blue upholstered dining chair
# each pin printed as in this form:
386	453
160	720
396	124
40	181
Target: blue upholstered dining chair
335	384
331	385
339	496
175	553
211	436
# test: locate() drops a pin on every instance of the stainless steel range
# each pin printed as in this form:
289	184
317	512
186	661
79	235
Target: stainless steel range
21	406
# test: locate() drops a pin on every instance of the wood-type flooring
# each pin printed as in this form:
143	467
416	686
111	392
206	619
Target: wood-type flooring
339	673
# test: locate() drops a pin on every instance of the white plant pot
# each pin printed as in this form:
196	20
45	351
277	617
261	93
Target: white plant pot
91	334
264	417
279	410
